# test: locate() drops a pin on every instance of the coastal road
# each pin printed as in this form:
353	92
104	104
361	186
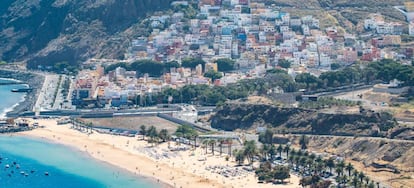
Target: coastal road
46	96
59	100
366	137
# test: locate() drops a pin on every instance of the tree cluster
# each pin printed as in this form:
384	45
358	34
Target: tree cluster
383	70
284	63
213	75
221	143
225	64
309	165
268	173
153	134
64	67
186	131
153	68
193	62
249	151
206	95
327	102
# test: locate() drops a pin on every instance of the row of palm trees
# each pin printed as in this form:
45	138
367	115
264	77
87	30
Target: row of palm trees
309	164
221	143
153	135
82	126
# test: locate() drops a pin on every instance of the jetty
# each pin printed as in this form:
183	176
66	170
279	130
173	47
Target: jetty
11	83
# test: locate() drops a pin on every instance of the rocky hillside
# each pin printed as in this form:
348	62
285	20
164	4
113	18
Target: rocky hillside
346	14
49	31
295	120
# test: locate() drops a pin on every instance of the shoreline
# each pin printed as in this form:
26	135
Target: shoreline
171	168
10	109
149	179
27	103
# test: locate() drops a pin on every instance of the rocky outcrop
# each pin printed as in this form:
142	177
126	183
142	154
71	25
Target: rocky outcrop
402	132
49	31
295	120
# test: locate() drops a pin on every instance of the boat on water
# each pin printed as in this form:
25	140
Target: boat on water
22	90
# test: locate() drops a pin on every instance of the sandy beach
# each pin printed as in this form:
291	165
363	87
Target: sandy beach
189	168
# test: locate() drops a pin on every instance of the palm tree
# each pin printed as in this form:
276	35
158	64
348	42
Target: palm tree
293	152
89	127
302	161
272	151
143	131
349	168
250	150
179	136
296	161
319	159
319	165
291	158
366	180
152	133
355	181
341	180
287	149
240	155
163	135
312	156
303	141
212	144
264	150
221	141
338	171
205	143
341	166
299	153
195	136
309	162
229	143
371	185
361	176
330	163
279	150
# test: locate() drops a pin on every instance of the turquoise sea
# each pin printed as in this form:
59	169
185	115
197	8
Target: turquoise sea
24	162
9	99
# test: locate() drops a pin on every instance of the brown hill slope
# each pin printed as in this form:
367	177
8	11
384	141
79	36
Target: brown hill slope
233	116
49	31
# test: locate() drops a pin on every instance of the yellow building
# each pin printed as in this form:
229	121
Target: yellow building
211	66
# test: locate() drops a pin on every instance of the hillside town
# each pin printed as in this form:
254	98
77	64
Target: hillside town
214	93
254	37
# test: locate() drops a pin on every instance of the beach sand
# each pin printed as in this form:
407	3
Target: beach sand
190	168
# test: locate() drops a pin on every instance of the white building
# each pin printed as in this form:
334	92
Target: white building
306	30
411	28
385	28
